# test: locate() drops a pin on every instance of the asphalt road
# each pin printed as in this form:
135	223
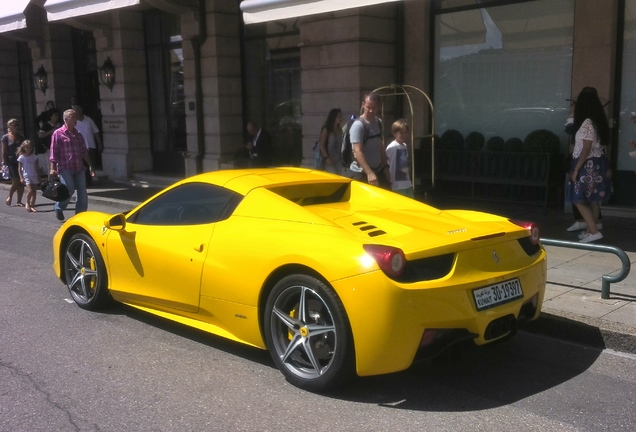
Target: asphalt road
65	369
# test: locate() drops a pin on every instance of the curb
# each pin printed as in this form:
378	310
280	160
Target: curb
111	202
583	330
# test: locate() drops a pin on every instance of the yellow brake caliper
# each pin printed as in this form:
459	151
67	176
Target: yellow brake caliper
92	266
292	314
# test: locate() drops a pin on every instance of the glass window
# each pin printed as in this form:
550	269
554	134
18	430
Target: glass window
86	90
188	204
165	89
627	133
86	75
503	70
272	85
315	193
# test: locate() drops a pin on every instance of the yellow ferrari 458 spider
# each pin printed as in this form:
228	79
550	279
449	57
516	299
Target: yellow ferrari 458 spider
334	277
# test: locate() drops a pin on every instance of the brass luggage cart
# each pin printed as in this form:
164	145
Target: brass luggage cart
407	92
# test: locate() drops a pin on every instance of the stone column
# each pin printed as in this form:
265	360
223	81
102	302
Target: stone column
593	59
125	117
417	63
219	119
343	55
594	62
53	50
10	97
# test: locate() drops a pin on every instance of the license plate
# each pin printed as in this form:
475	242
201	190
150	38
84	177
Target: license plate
500	293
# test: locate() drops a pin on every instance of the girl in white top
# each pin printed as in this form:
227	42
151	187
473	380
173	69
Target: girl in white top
29	172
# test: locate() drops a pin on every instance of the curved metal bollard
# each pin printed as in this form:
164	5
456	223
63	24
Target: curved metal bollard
607	279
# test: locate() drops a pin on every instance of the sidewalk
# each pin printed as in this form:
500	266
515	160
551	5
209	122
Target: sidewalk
572	310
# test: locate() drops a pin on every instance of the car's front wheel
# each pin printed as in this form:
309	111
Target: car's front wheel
85	272
308	333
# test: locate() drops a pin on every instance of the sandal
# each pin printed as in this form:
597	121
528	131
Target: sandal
19	204
8	201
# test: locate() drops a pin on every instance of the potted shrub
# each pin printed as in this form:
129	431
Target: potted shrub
475	141
452	139
495	144
513	145
542	141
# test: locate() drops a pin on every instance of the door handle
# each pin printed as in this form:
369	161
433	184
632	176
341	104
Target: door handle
199	248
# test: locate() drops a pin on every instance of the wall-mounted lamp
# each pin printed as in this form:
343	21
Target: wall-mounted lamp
41	80
107	74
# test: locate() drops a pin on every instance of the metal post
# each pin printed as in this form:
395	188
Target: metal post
186	155
607	279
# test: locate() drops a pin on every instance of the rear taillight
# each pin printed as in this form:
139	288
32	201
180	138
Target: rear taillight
535	234
391	260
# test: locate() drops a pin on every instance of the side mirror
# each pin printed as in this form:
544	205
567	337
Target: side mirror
116	222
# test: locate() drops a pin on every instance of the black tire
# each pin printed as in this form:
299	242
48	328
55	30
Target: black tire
85	273
308	334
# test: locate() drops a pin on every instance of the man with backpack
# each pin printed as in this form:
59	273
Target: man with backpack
369	156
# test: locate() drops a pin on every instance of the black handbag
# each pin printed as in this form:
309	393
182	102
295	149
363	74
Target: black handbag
54	189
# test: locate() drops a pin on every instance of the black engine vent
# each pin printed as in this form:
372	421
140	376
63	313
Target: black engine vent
371	230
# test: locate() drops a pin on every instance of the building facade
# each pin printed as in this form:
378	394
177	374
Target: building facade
172	84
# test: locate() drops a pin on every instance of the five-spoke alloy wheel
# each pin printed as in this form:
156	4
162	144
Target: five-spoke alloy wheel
308	333
85	272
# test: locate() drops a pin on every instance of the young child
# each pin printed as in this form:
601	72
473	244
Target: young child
398	154
29	172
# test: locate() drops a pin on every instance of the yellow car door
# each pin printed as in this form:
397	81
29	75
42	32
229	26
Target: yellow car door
160	265
157	258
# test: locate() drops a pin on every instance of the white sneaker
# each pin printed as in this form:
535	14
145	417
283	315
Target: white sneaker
589	237
577	226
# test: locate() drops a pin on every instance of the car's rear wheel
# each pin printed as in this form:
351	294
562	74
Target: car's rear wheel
85	273
308	334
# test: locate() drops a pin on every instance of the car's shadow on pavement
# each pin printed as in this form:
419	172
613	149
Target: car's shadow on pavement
251	353
476	378
465	378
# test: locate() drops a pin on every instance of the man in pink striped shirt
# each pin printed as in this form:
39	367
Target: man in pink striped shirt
67	153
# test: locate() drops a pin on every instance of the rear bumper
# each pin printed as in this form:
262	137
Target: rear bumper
388	320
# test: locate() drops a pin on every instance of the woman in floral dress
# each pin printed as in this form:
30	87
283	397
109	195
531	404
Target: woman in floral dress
588	185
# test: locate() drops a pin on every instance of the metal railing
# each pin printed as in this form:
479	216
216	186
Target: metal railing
607	279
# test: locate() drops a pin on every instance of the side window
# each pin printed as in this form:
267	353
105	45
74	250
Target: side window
188	204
